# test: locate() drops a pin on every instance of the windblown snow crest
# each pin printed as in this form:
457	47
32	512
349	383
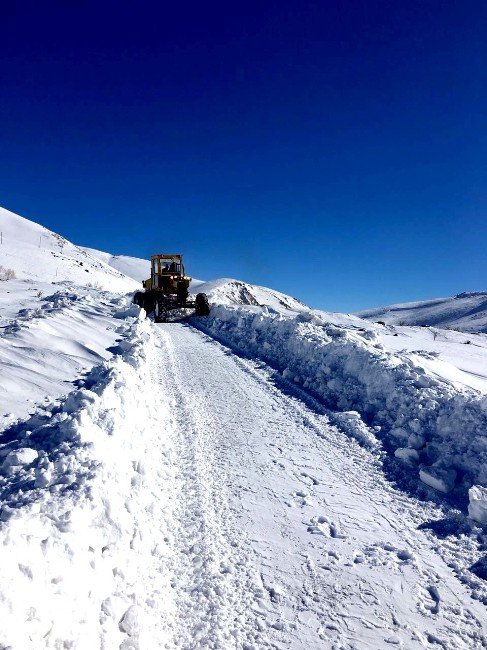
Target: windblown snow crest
72	496
431	425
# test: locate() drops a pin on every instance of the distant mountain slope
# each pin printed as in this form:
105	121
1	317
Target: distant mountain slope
466	312
134	267
36	253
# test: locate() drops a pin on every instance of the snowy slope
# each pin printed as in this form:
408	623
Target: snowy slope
35	253
466	312
228	291
56	319
133	267
50	335
459	357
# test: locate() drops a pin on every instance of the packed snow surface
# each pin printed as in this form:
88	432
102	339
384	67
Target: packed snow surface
466	312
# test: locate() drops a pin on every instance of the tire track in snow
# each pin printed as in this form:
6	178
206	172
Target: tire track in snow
330	562
212	573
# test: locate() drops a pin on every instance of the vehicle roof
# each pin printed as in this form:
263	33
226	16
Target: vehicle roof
165	256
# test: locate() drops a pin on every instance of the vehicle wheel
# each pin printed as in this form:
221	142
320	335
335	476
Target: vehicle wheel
160	312
181	293
202	306
138	299
150	302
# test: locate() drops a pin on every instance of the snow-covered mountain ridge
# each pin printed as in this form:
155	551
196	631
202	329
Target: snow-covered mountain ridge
466	312
35	253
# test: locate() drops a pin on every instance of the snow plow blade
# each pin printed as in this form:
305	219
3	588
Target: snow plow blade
161	306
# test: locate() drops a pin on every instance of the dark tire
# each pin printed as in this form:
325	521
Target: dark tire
160	312
150	301
182	293
202	306
138	299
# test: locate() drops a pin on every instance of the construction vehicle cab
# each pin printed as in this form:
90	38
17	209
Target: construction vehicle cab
167	275
168	289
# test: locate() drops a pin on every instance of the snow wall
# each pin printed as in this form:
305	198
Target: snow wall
73	493
427	421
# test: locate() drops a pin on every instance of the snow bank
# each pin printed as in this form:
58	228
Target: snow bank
72	491
477	508
49	336
350	370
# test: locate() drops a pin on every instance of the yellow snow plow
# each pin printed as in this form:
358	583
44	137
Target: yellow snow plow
167	289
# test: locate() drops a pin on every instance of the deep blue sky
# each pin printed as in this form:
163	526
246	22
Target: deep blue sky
335	150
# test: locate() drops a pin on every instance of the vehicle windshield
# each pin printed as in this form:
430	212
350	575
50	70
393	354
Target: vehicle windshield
171	265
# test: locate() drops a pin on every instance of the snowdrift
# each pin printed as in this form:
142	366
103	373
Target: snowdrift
431	424
72	496
50	334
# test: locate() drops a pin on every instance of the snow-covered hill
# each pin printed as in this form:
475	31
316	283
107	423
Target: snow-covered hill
227	291
134	267
466	312
33	252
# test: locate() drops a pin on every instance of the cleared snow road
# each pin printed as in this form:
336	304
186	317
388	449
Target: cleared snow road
278	531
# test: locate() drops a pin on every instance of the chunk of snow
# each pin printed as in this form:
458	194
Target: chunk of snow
19	457
134	311
416	441
43	477
477	507
442	480
78	399
129	622
406	454
355	426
